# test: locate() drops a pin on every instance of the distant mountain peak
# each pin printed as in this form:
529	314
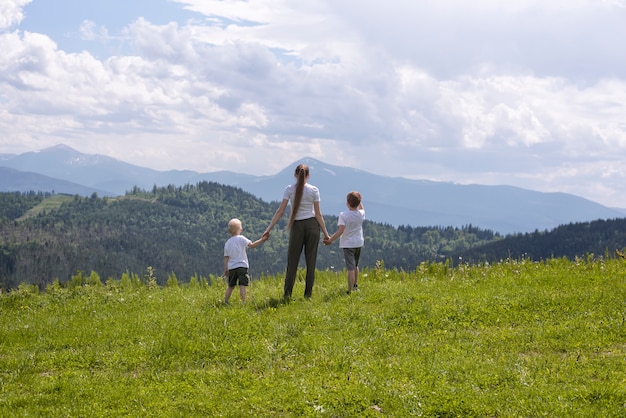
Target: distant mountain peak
66	155
310	161
58	147
315	164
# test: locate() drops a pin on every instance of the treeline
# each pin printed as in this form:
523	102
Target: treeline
181	231
15	204
600	238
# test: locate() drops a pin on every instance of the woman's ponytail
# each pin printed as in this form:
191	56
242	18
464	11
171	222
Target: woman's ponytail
301	174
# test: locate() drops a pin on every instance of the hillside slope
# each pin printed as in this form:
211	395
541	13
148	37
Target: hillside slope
182	231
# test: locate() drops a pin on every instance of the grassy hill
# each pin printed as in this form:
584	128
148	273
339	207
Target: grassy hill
51	203
180	231
508	339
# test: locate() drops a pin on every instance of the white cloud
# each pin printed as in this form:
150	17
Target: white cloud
451	38
11	12
526	93
89	31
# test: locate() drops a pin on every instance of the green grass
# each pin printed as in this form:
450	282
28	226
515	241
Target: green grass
516	339
49	204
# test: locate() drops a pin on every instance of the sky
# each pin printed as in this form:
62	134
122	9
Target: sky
528	93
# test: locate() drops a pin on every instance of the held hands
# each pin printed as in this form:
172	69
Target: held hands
327	238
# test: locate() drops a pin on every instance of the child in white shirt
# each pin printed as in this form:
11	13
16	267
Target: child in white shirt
236	259
351	232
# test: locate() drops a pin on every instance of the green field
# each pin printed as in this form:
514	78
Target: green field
515	339
49	204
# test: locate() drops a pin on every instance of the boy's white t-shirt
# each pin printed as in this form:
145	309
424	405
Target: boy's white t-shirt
352	236
310	194
235	250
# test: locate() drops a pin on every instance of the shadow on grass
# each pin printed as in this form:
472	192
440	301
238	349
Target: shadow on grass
272	303
339	293
276	303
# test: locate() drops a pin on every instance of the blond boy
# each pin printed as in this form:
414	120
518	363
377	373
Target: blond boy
236	259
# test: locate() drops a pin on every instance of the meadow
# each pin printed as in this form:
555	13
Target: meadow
513	339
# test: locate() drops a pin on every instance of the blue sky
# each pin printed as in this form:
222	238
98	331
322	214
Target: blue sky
63	20
526	93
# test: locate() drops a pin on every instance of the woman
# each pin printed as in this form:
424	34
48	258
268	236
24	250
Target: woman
304	224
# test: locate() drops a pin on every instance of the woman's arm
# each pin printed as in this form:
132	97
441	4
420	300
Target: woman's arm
320	219
277	215
336	235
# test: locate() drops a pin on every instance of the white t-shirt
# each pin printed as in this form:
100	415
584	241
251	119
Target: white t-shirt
310	194
235	250
352	236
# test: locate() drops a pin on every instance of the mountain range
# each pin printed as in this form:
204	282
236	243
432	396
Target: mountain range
392	200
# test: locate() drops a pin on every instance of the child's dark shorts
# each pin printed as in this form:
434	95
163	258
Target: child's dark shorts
352	255
238	275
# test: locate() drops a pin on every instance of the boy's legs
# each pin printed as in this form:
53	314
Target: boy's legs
229	291
357	256
232	282
237	276
243	279
350	256
351	280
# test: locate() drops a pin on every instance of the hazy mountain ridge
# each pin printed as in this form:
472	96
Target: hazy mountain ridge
12	180
392	200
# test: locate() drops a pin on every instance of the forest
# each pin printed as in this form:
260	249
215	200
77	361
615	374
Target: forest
180	232
598	238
